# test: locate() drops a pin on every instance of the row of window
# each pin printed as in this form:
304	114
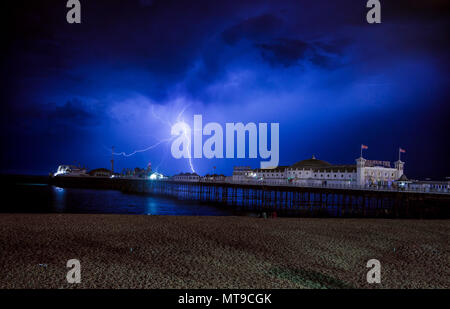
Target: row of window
300	173
379	174
102	174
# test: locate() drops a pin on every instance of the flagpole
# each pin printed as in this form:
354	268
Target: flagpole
399	153
361	150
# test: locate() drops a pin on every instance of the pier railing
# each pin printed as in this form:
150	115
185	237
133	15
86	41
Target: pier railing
286	183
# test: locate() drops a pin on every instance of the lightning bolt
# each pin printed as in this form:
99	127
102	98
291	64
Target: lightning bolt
179	119
188	148
167	140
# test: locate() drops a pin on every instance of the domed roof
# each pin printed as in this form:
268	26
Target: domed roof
403	178
313	162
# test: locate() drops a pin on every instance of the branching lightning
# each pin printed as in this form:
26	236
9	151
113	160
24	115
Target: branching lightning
143	150
185	134
167	140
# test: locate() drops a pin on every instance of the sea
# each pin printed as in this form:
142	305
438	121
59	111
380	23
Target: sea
34	197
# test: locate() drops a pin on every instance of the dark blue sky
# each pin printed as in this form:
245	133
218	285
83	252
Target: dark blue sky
332	81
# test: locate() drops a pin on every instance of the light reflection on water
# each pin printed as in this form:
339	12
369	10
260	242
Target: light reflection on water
59	198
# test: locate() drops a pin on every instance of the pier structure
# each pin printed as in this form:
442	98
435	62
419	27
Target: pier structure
283	199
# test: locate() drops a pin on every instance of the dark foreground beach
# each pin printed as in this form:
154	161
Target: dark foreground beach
137	251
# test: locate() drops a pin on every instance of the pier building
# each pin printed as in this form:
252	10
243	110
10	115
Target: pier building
314	171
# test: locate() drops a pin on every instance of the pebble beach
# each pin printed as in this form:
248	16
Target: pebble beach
139	251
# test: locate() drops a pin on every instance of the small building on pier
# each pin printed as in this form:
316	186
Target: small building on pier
242	173
100	172
213	177
191	177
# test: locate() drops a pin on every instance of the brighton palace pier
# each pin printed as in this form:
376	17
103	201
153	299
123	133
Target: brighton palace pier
310	187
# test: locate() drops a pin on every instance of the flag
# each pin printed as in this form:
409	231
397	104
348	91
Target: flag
402	150
364	147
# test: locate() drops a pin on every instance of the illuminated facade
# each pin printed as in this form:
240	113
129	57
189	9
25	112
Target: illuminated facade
378	172
318	172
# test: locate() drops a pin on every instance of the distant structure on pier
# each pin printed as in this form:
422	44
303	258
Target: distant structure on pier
112	160
194	177
186	177
100	172
71	170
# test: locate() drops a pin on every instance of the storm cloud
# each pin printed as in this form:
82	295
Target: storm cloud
331	80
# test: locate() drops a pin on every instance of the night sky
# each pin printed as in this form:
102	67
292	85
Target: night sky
332	81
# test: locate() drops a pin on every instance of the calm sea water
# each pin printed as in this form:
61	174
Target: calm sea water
43	198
